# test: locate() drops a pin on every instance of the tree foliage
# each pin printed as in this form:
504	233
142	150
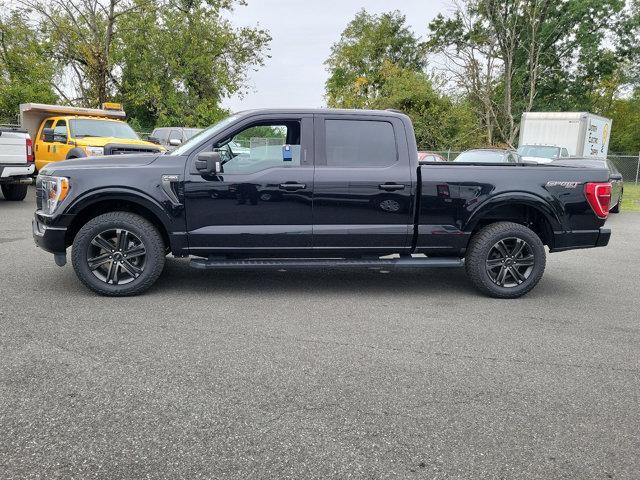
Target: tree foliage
181	59
26	71
168	61
514	56
356	61
379	63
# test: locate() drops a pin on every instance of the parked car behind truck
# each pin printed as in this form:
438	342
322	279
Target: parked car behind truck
333	170
172	137
63	133
16	163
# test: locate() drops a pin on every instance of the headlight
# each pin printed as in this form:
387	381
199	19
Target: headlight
54	191
93	151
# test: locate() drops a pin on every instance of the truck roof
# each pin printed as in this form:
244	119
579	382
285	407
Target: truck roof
325	111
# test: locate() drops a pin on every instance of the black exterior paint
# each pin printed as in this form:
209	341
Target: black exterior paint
330	211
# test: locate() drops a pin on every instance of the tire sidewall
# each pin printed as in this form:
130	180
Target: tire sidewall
143	230
14	192
482	253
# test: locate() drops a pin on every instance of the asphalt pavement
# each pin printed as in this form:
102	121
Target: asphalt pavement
330	374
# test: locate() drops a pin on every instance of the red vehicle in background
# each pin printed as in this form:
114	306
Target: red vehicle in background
430	157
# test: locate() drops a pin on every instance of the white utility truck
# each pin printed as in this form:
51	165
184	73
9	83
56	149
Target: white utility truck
574	134
16	162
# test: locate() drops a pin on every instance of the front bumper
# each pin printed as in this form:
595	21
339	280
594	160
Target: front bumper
581	239
48	238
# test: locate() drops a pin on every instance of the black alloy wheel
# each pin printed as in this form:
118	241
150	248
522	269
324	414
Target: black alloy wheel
510	262
116	256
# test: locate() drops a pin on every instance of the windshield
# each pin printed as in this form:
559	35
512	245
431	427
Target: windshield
87	127
193	141
191	132
481	156
538	151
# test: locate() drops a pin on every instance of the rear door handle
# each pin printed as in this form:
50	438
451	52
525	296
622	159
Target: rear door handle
292	186
390	187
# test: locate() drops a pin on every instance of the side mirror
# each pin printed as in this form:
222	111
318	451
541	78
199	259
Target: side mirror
174	142
155	140
47	135
209	163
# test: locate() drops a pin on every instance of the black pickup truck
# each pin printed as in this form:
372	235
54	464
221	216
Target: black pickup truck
314	189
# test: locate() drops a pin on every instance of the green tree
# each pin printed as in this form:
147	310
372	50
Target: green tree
179	60
26	70
440	123
356	60
513	56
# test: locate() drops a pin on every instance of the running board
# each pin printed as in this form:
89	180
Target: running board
390	263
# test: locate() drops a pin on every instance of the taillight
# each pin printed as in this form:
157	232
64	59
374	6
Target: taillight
599	197
29	145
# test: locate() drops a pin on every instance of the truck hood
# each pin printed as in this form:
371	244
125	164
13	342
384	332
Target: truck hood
102	141
107	161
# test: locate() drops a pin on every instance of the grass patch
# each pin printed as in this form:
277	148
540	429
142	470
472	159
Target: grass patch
631	198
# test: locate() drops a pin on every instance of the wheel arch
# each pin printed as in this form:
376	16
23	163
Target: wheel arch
523	208
87	208
76	152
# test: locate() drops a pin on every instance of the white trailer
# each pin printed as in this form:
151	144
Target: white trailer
582	134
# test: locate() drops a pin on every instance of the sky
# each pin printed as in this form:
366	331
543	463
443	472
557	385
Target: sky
303	32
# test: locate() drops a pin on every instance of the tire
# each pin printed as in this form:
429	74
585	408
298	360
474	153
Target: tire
505	260
134	263
14	192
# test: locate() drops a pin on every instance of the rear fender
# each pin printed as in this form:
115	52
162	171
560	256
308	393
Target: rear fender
512	199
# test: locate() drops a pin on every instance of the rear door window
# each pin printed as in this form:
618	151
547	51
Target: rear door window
360	143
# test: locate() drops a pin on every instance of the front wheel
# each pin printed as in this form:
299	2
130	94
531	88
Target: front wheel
14	192
118	254
505	260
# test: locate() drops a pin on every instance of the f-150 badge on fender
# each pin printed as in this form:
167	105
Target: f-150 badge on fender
555	183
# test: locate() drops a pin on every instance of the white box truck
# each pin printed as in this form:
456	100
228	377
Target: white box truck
581	134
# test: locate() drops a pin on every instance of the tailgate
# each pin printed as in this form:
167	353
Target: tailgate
13	149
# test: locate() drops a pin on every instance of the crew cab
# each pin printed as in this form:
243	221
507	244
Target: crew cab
317	189
16	163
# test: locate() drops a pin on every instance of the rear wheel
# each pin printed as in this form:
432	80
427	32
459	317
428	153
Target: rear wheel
505	260
118	254
14	193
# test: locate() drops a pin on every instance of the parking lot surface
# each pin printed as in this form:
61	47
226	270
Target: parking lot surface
331	374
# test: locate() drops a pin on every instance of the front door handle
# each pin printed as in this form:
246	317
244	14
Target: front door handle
391	187
290	187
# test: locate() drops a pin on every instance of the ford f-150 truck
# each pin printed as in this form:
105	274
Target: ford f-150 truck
317	189
16	163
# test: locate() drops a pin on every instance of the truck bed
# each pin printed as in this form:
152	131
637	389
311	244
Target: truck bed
456	199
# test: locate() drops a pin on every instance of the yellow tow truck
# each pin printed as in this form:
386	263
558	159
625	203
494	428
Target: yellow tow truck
62	133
